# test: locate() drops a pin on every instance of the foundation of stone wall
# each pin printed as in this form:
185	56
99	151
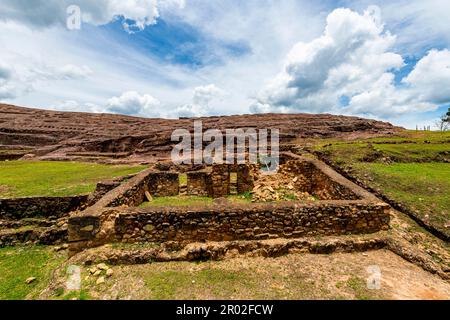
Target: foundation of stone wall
234	222
199	184
20	208
116	217
311	179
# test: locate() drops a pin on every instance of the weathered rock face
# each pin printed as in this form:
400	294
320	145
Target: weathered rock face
68	135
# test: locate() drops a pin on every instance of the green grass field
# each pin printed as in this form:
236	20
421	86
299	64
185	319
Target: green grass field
20	263
406	147
178	201
186	201
55	179
411	168
423	187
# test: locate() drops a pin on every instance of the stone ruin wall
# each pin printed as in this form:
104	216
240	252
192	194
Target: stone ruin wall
132	192
234	222
245	178
199	184
164	184
216	184
314	181
220	181
116	216
257	222
44	207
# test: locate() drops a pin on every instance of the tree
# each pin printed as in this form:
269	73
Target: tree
443	124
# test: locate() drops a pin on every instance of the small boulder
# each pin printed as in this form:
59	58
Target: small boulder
102	266
97	273
100	280
148	196
30	280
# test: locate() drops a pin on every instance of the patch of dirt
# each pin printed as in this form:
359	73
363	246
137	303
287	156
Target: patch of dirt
294	276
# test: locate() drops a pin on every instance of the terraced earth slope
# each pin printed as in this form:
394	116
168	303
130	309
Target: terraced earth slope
39	134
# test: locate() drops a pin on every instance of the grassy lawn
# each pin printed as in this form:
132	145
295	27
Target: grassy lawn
410	152
47	178
186	201
176	284
423	187
231	279
178	201
410	168
19	264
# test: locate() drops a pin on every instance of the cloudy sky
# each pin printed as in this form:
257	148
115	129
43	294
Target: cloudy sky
387	60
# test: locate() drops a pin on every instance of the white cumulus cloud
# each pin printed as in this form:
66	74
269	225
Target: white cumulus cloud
353	60
431	77
133	103
202	97
45	13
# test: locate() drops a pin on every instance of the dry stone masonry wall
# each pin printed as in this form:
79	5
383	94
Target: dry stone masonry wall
20	208
115	218
285	220
220	178
199	184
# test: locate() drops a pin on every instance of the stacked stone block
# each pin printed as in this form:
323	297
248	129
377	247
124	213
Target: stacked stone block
199	184
245	179
164	184
220	180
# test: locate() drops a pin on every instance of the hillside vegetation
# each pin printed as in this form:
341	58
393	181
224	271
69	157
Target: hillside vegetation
412	168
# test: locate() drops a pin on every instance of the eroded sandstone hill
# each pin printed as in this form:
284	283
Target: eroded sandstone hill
35	133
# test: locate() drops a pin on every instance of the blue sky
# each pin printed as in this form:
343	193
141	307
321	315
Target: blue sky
174	42
168	58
